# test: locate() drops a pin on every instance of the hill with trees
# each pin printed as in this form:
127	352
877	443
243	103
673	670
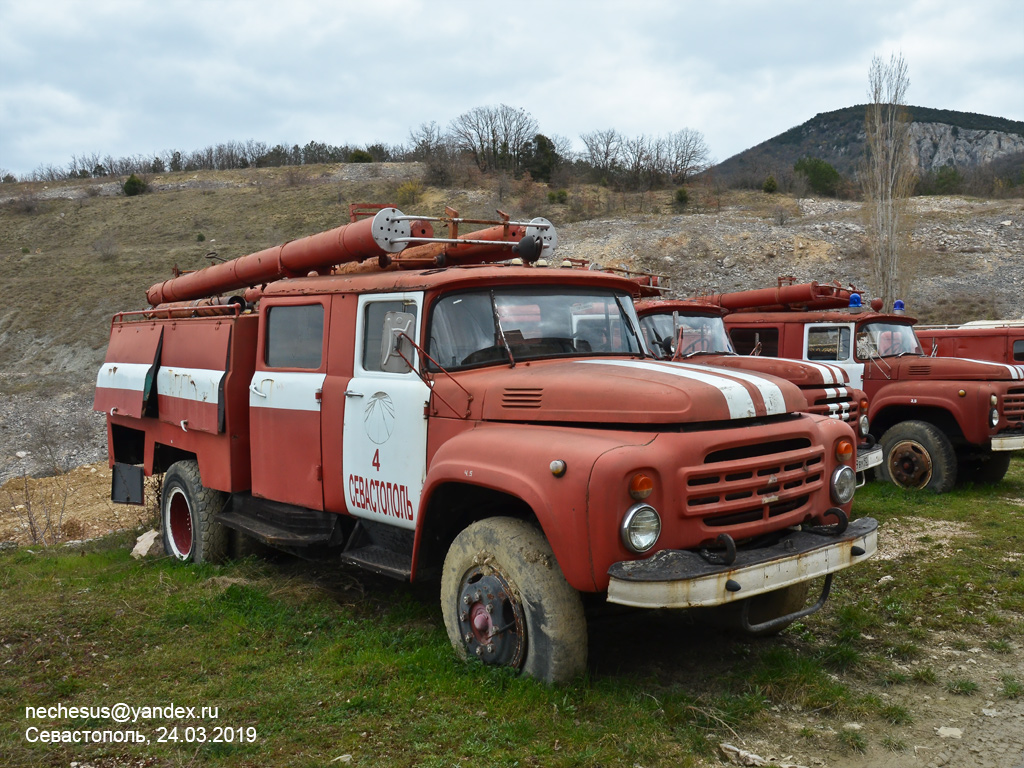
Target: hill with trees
955	151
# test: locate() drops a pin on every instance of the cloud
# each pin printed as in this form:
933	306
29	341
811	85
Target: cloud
124	78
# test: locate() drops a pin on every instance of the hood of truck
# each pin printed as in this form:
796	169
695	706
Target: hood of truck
802	373
950	369
628	391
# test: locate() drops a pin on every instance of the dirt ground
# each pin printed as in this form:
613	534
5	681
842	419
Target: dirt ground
984	730
69	507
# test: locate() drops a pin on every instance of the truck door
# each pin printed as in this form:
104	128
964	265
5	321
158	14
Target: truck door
284	401
833	343
384	447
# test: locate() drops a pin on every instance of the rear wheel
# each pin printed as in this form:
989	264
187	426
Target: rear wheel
915	454
505	601
187	509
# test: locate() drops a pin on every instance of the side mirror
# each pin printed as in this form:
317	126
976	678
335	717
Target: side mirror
395	344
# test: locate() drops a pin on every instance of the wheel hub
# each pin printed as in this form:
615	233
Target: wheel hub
491	619
910	465
180	519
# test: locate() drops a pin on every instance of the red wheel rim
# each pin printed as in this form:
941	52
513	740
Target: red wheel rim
179	520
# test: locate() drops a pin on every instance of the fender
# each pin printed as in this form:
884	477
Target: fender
516	459
921	394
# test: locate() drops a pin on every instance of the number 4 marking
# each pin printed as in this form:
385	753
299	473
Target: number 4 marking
376	459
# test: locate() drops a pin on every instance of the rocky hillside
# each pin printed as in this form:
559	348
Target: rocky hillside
965	260
942	138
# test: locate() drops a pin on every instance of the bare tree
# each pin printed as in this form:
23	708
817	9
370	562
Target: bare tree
494	136
604	150
888	176
686	154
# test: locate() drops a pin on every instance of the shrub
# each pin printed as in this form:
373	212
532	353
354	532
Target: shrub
822	177
360	156
408	193
200	237
682	197
561	197
133	186
770	185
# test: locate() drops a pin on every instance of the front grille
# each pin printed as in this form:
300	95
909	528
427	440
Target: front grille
521	397
1013	405
836	403
754	483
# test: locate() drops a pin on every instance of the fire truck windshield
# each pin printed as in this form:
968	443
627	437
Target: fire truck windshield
685	335
505	325
886	340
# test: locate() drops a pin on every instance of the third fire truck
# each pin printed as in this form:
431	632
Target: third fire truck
936	419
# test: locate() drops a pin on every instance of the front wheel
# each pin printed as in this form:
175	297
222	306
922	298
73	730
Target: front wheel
187	509
505	601
915	454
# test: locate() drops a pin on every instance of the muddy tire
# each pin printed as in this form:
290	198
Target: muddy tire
187	509
985	469
505	601
916	454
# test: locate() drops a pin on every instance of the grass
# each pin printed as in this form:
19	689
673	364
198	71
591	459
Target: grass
325	663
1012	688
316	666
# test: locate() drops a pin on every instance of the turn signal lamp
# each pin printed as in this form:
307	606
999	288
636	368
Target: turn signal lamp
640	486
844	450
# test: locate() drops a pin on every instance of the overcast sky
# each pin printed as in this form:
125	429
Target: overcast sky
123	77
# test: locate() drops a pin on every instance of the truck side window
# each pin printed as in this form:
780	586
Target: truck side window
373	327
745	341
295	337
1018	350
828	344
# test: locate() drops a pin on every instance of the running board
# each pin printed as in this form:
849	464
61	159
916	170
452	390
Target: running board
281	525
381	549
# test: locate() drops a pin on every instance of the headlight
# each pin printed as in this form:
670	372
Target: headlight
641	528
844	483
993	417
863	423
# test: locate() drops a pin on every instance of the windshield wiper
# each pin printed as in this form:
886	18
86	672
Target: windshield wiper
696	352
501	331
629	324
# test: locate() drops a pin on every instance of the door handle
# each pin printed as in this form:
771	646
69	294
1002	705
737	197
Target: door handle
255	390
350	393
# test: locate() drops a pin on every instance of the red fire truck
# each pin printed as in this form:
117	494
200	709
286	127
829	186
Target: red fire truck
935	418
379	396
693	333
1000	341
